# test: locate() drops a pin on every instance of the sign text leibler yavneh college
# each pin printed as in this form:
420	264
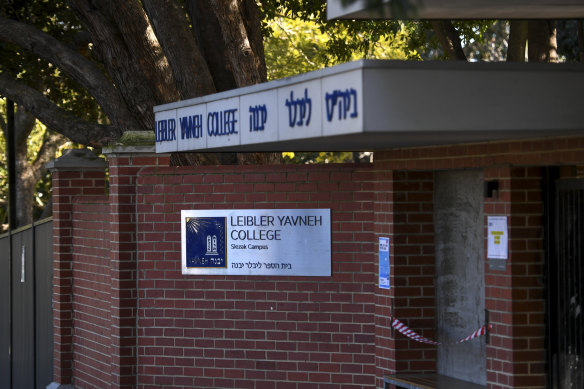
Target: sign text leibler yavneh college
286	242
272	112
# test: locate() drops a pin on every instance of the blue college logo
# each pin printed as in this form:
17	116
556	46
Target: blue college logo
205	241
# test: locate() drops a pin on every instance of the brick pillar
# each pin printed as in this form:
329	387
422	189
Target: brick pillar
77	173
515	293
414	267
125	163
404	212
383	210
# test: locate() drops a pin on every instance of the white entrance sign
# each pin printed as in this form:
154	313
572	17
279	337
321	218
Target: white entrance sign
498	238
372	105
456	9
259	242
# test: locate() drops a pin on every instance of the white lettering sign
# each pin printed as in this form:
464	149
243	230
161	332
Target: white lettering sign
279	111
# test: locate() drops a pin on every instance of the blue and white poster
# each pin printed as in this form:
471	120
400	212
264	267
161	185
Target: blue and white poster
384	263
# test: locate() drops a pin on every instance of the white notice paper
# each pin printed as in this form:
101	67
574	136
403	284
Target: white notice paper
497	247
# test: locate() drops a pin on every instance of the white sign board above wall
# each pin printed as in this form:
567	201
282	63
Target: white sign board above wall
297	111
372	105
455	9
282	242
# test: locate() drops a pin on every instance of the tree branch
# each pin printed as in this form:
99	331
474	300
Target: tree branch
73	64
207	32
108	43
3	126
253	26
51	143
247	65
190	70
543	45
144	47
23	125
449	39
517	40
56	118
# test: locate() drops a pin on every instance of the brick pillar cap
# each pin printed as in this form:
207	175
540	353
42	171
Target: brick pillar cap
77	159
132	142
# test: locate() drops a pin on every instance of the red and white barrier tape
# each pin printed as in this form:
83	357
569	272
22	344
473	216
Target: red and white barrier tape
480	332
401	327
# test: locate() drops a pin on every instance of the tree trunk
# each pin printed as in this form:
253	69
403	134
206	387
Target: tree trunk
127	73
449	39
144	47
190	70
242	40
29	173
517	41
207	32
542	44
25	176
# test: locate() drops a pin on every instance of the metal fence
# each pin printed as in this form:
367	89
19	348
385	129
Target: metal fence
567	287
26	314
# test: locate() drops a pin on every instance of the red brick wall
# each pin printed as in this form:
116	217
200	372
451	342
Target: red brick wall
91	293
539	152
499	288
404	212
515	297
256	332
280	332
413	263
124	169
67	185
383	216
527	264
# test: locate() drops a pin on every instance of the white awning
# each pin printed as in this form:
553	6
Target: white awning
458	9
371	105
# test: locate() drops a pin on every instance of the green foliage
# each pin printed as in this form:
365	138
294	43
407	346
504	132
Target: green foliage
297	46
42	193
568	44
55	19
484	40
317	42
326	157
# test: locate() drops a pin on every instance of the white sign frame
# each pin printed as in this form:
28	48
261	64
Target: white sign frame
256	242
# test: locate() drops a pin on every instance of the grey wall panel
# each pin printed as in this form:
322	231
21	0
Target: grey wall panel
5	312
44	308
23	361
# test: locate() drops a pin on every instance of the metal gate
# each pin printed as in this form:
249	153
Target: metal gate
566	285
26	314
